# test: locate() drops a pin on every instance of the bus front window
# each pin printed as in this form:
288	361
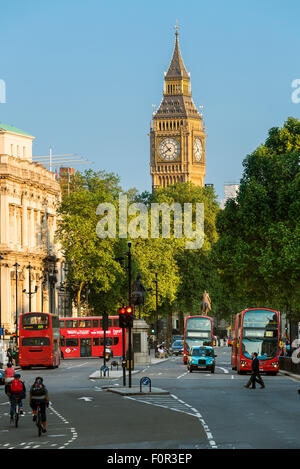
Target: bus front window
260	334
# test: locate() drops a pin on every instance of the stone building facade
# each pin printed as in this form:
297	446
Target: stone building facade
31	270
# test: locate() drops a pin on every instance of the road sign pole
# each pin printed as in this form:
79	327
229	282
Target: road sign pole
129	355
124	356
104	358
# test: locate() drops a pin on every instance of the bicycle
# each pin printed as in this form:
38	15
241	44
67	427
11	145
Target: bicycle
17	412
39	420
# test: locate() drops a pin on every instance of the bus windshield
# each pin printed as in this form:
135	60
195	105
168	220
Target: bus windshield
197	332
35	321
260	334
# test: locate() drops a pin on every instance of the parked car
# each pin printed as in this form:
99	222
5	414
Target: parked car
201	358
177	337
177	347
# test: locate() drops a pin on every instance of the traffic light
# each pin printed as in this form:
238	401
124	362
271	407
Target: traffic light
122	317
126	317
129	316
152	329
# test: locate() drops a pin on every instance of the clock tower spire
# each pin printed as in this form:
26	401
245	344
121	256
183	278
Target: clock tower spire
177	133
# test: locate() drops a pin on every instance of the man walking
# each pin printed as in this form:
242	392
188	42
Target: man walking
255	376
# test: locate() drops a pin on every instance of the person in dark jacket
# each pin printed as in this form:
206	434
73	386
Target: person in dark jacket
255	375
39	396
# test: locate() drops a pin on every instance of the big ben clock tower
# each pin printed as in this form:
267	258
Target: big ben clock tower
177	133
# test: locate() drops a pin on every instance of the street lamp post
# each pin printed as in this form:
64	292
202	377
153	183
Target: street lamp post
16	265
129	273
129	304
51	269
30	293
1	259
156	304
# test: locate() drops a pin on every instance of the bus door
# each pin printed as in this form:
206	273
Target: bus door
85	347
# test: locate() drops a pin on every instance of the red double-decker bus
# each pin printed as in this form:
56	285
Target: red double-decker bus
198	330
84	337
39	340
234	328
257	330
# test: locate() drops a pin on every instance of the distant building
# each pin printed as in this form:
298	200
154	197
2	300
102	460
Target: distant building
29	195
65	177
230	192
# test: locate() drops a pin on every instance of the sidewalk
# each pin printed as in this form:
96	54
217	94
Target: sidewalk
288	373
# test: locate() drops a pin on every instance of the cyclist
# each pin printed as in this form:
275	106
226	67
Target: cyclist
9	373
16	390
39	396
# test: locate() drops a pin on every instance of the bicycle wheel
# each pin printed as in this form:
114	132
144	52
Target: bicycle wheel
17	410
39	421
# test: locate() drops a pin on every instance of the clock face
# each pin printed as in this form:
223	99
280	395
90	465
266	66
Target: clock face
197	149
169	149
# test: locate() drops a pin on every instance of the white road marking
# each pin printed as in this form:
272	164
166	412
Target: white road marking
183	407
223	369
76	366
178	377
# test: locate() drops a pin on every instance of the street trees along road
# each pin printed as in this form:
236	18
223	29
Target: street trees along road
91	260
258	250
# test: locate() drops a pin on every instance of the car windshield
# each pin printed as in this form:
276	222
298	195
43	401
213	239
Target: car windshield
178	343
203	352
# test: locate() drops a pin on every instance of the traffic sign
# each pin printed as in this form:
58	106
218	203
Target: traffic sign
146	382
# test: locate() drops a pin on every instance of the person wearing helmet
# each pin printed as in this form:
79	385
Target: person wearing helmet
39	396
16	391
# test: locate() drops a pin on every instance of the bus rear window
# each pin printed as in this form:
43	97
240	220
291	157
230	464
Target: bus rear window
35	321
35	341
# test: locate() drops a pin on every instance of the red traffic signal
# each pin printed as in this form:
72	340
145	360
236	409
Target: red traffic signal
122	317
126	317
129	316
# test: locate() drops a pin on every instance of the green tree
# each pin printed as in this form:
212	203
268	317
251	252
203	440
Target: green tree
258	250
91	260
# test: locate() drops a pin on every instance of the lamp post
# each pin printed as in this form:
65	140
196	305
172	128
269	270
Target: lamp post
51	270
1	259
16	265
156	303
129	273
30	293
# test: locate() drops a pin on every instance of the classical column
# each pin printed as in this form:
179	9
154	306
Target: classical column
24	224
4	217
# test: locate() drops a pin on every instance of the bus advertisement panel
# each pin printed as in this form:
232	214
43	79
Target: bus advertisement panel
84	337
258	331
198	330
39	340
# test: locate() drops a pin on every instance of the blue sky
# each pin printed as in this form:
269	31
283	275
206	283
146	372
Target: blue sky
82	76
